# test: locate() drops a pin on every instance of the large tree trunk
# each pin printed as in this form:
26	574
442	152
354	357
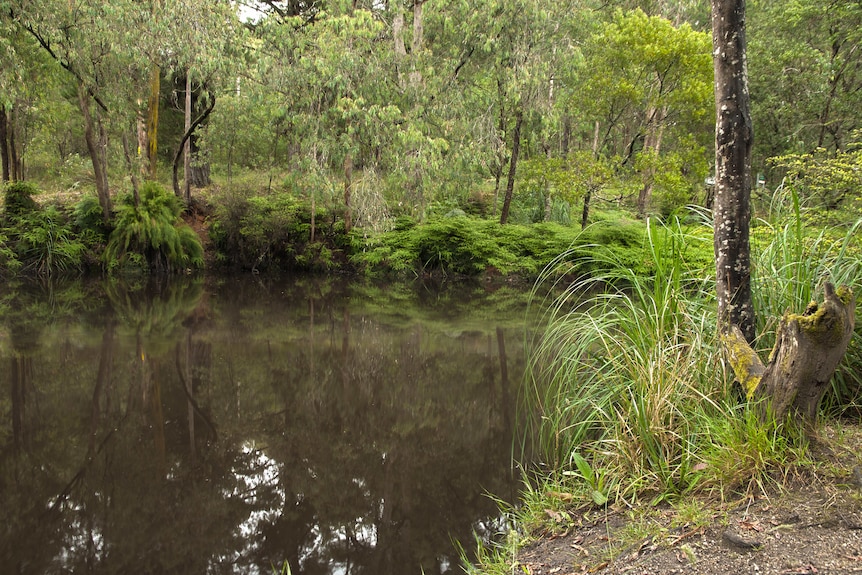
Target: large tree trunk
807	350
513	166
733	137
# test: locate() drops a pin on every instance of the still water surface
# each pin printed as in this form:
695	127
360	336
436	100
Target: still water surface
233	425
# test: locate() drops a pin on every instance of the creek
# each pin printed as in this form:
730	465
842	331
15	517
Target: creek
241	424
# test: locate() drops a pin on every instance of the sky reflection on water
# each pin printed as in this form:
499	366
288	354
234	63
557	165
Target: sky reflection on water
235	425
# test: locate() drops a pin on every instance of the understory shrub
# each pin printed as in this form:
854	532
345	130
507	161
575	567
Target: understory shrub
47	244
274	231
460	245
38	240
150	236
18	199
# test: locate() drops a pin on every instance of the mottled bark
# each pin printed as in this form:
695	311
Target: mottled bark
588	195
187	149
398	39
808	349
733	139
16	162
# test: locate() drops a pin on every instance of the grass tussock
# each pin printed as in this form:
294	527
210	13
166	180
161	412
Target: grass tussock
628	397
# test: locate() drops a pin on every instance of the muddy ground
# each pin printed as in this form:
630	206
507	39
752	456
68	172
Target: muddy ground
807	521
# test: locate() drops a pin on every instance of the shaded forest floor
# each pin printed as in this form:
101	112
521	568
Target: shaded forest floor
805	521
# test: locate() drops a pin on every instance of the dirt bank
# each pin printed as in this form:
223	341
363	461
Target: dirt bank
806	521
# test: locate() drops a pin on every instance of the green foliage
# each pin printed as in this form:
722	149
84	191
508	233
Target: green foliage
628	393
37	240
47	244
627	390
89	225
827	181
792	261
151	236
463	246
18	199
9	262
805	92
263	231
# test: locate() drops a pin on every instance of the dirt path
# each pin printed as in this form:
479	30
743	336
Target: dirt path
813	524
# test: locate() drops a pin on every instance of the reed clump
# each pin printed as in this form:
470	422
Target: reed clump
628	396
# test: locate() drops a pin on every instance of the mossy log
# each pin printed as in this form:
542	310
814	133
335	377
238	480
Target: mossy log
808	348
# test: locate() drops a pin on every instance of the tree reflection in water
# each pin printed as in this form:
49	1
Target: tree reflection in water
178	427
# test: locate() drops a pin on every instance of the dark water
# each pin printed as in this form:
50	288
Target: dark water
233	425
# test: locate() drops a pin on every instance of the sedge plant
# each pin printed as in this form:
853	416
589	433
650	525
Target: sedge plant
627	381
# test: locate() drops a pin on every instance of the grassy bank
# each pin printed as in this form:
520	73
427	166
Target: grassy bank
628	403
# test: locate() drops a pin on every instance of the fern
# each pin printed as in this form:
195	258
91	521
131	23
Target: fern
152	235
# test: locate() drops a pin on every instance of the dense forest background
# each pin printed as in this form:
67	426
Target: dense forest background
357	113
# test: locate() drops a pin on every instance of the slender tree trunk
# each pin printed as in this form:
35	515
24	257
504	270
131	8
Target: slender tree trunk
652	144
96	140
588	195
186	136
566	136
130	166
398	39
418	34
4	142
513	165
200	167
16	163
348	182
313	217
733	139
501	152
187	149
153	121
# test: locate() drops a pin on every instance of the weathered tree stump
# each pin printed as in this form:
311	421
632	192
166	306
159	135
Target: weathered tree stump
808	348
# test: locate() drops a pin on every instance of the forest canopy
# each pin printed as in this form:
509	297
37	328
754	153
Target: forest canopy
366	111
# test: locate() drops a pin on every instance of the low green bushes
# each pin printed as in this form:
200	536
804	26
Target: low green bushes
274	231
149	234
61	240
35	239
464	246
